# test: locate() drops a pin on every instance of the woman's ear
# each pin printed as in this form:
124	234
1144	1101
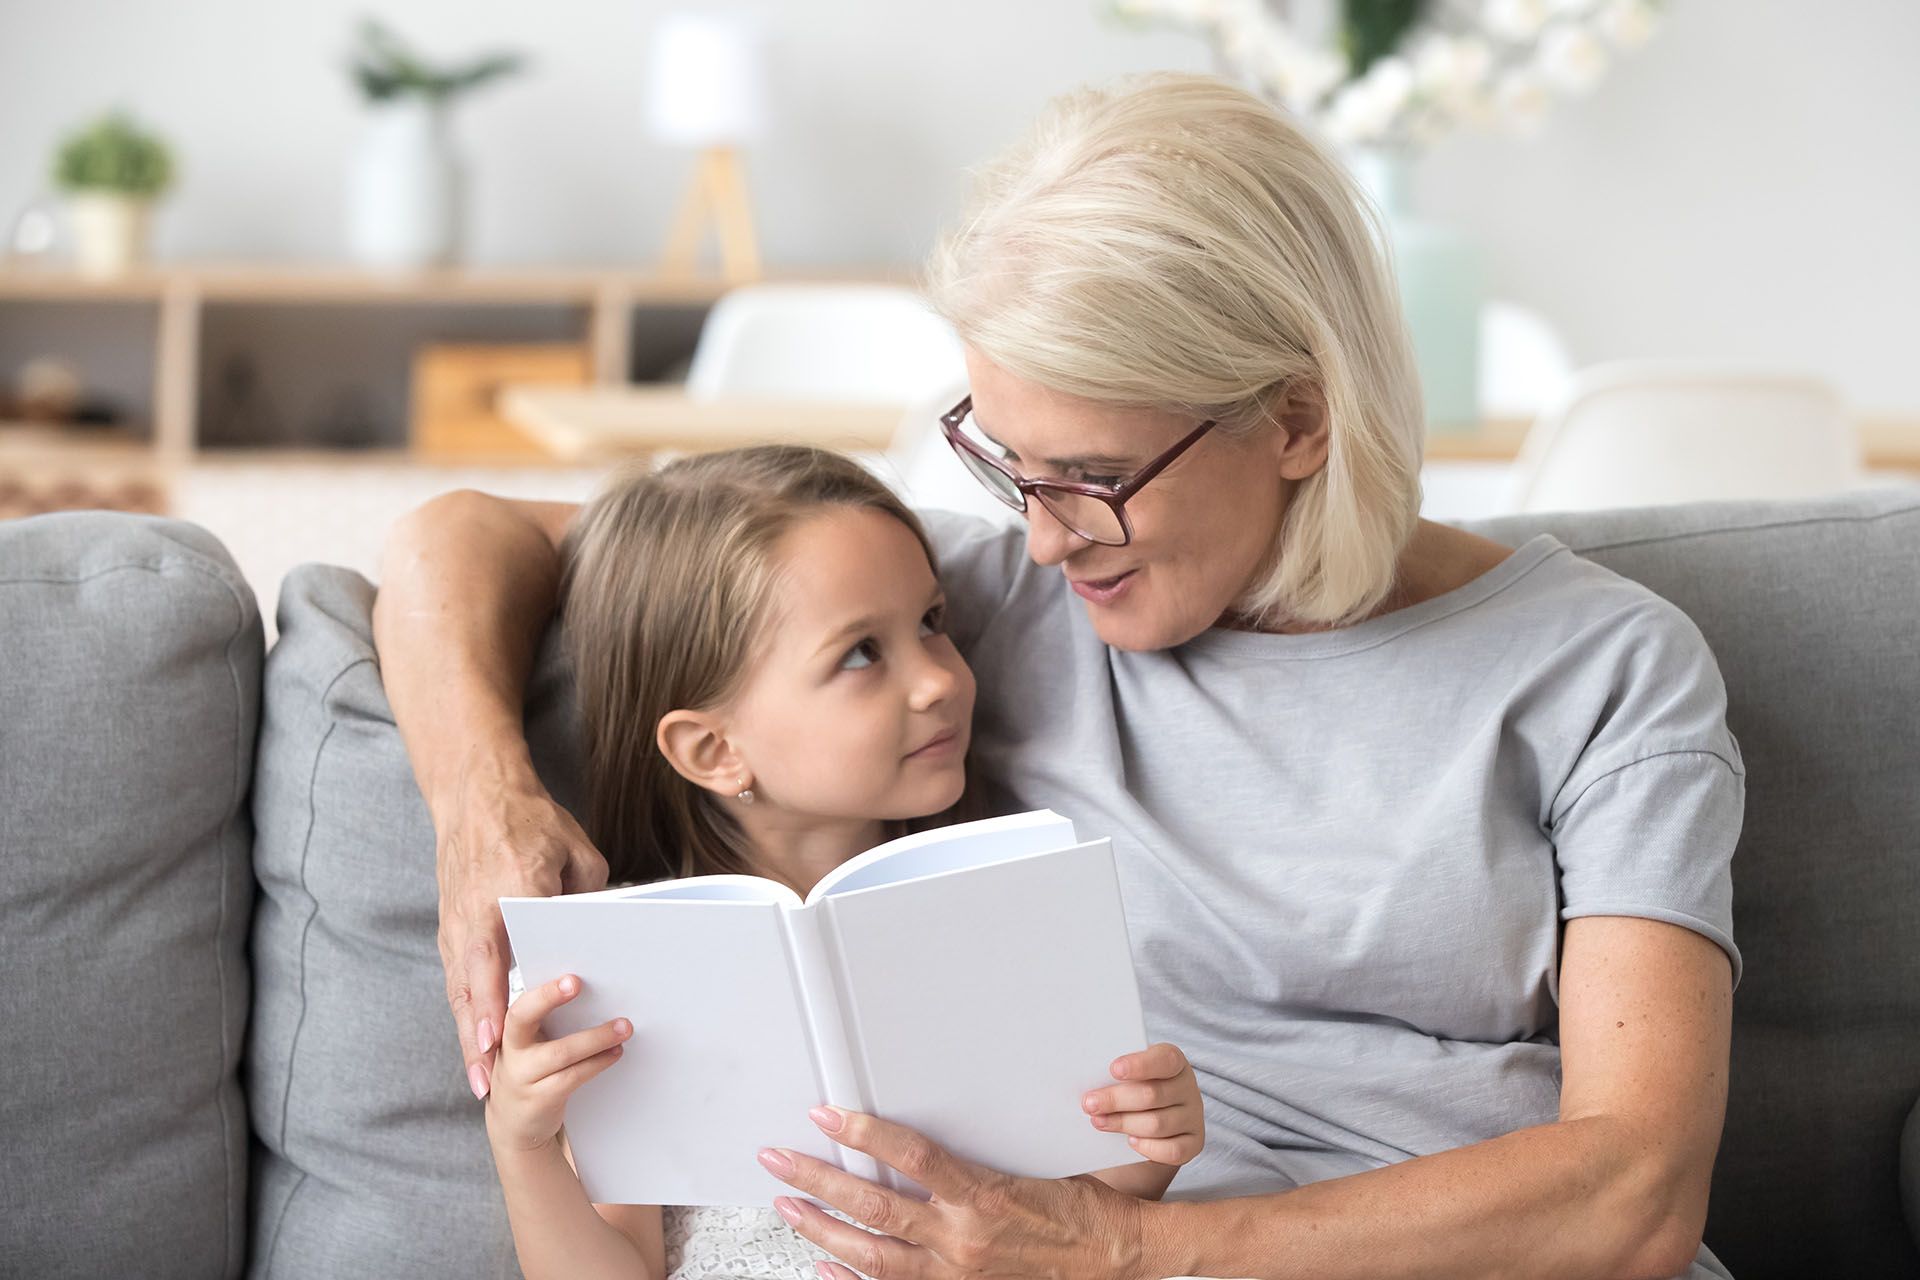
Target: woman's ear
1300	411
695	744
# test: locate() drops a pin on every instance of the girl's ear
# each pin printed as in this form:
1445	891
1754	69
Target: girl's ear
695	744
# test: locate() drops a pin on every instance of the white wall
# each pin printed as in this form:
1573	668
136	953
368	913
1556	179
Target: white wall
1745	187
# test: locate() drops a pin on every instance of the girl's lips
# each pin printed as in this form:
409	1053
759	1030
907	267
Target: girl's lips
1102	590
943	745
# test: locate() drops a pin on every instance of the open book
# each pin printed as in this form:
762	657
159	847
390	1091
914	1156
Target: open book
972	982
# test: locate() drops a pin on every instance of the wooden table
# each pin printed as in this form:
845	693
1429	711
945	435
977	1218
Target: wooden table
582	424
599	424
1886	443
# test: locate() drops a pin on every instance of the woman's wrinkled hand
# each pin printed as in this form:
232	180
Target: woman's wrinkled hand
535	1076
1156	1104
500	835
978	1222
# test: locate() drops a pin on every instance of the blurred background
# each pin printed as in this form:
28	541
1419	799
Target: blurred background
288	269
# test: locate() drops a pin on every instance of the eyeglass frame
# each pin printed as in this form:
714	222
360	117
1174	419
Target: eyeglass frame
1115	496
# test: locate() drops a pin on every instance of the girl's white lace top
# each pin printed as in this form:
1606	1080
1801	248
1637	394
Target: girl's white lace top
712	1243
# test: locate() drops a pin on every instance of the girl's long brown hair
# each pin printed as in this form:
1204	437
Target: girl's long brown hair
667	584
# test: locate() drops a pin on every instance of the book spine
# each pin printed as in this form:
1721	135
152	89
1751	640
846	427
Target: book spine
836	1063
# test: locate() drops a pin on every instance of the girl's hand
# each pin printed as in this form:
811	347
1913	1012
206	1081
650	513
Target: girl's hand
1157	1105
534	1077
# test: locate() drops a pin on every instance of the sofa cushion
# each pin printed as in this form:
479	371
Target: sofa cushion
1910	1173
1813	610
129	694
373	1157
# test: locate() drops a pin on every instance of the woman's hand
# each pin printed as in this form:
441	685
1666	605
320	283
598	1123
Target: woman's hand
535	1076
500	836
1157	1105
979	1221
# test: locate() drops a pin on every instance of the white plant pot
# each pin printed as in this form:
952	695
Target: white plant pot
405	194
109	232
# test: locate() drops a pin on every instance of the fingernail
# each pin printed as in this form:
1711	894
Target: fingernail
569	985
786	1209
622	1028
486	1034
824	1271
477	1077
828	1118
1099	1122
1089	1103
777	1163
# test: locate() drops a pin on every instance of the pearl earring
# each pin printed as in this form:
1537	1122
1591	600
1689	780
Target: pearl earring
746	793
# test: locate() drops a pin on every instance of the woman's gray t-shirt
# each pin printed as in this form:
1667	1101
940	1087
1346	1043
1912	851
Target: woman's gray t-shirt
1346	856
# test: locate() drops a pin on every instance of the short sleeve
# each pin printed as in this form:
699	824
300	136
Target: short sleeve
1648	818
1655	839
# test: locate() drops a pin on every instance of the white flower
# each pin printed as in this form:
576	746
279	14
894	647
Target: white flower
1521	100
1515	20
1390	80
1628	23
1361	113
1573	58
1450	71
1302	77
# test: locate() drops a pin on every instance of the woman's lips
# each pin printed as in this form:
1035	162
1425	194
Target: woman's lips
1102	590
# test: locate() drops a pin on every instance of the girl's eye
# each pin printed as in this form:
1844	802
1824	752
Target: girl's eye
934	622
1105	482
862	655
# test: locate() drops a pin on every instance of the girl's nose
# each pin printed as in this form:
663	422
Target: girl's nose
933	684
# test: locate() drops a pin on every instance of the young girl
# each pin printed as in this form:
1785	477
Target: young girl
766	687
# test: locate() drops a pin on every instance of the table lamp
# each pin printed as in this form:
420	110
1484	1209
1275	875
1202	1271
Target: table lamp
705	91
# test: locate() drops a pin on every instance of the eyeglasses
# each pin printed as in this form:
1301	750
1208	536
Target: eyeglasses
1096	512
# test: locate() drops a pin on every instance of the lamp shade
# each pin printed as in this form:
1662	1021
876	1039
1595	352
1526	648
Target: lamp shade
706	80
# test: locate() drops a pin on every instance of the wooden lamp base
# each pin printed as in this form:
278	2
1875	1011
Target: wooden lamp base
719	196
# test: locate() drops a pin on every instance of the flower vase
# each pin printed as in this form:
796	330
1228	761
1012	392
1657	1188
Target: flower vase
109	232
405	198
1440	277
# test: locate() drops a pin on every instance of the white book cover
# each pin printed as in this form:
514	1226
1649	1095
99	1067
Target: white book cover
972	982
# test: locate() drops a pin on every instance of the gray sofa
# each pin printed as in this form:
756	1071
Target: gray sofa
223	1042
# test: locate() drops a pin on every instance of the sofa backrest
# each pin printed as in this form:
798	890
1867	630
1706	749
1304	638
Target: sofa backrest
1813	610
129	695
372	1157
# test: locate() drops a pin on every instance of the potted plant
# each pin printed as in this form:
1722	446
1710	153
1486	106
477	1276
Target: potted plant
111	172
407	193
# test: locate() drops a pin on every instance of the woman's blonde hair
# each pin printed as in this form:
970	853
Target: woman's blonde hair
1174	242
667	587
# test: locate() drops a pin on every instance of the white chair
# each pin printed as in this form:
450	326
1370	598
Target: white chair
1524	365
923	468
858	343
1642	433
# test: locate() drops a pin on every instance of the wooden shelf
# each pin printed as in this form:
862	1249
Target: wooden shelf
181	292
325	283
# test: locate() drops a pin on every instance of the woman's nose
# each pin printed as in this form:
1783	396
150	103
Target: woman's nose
1048	541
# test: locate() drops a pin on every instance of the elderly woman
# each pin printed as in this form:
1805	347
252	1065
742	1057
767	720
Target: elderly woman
1424	840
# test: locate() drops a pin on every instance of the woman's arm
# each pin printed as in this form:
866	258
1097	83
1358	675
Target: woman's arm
1616	1188
467	586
